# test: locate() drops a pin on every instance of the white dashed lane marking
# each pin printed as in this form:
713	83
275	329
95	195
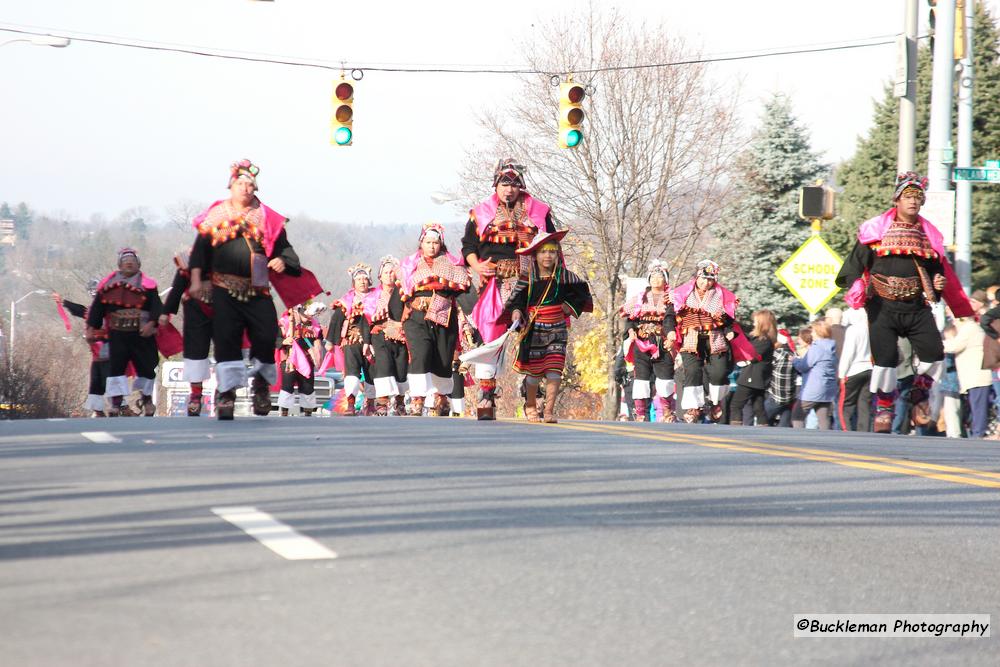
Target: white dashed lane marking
101	437
276	536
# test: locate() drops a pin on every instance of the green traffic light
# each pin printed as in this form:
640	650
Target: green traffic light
342	136
573	137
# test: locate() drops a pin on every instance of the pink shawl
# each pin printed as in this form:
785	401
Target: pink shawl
485	211
740	345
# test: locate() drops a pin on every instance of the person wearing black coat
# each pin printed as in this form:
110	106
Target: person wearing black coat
755	377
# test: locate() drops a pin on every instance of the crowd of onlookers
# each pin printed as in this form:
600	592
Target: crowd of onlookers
819	376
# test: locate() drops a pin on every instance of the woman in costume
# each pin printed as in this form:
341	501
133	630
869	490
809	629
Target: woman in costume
432	279
350	328
650	325
300	335
388	341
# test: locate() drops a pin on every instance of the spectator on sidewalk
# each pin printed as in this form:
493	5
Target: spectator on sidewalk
974	381
819	374
855	372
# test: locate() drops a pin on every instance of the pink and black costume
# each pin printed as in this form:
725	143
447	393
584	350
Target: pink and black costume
350	328
300	334
389	344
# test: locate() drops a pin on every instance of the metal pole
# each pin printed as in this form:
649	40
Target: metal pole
963	189
906	159
941	154
10	351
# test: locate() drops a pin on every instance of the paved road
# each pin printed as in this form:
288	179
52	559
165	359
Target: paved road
461	543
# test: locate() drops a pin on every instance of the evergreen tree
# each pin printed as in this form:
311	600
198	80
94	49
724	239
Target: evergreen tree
868	177
5	212
23	217
763	228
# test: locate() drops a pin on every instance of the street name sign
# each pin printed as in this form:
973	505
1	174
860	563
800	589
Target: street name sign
976	174
809	273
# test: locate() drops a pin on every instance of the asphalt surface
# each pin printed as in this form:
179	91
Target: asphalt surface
465	543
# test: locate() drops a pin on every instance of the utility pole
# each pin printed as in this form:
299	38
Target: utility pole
963	189
906	89
941	154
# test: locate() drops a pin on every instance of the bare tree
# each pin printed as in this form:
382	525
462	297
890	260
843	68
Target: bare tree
651	175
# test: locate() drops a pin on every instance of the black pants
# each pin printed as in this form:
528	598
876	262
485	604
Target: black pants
646	368
432	347
697	366
99	371
391	358
355	362
130	346
857	401
197	330
257	316
886	327
743	395
291	378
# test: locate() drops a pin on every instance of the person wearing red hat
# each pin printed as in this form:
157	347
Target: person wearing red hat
498	226
128	306
650	324
540	305
432	280
781	391
243	244
897	269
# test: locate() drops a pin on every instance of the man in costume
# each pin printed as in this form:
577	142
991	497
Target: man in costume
100	361
350	328
496	229
388	342
710	338
197	332
299	355
128	306
896	270
541	304
243	244
432	280
649	330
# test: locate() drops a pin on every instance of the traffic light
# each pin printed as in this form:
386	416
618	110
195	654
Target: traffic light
343	113
816	202
570	114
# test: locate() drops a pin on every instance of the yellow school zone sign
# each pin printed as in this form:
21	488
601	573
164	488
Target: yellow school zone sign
809	272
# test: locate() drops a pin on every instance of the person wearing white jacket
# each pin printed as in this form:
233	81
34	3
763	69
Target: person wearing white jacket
974	382
855	371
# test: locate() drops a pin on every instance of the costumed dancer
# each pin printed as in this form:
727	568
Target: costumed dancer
459	371
100	361
708	336
388	342
350	328
541	304
650	325
497	227
197	329
243	244
432	279
896	270
300	334
128	306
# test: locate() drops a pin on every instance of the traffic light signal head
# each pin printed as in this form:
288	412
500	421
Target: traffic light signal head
816	202
343	113
570	114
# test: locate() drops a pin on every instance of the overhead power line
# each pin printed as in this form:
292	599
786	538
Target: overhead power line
294	61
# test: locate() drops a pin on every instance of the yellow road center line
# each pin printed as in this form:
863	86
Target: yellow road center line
881	465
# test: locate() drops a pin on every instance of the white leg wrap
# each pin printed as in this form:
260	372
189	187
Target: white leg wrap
458	405
622	408
143	385
196	370
931	368
443	386
420	385
883	379
369	390
352	385
268	371
717	392
402	387
116	386
230	375
485	371
665	388
307	401
94	402
285	399
386	387
640	389
692	397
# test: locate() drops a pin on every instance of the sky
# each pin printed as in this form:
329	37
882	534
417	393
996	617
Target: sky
100	129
